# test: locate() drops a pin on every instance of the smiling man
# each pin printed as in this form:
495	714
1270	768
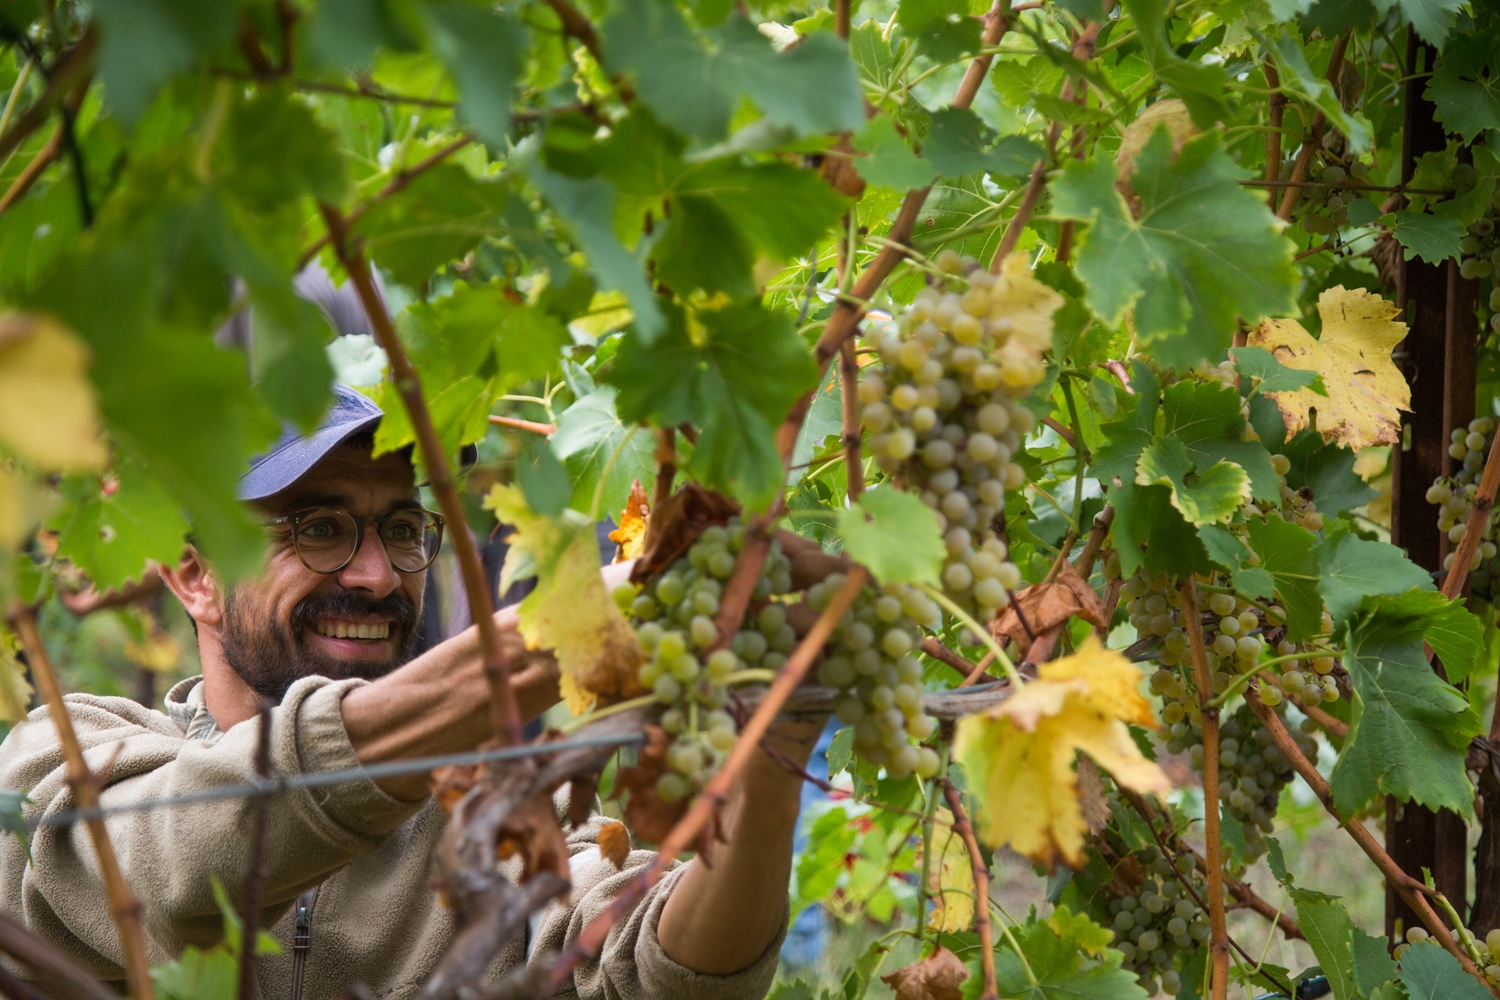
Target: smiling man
324	633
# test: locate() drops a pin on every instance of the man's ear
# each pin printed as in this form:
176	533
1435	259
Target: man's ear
193	583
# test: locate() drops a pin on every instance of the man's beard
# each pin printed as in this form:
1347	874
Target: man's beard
271	659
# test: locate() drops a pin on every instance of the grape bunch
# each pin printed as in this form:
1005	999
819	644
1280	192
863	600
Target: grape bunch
1454	497
1160	921
872	662
1296	506
1155	606
1488	949
674	622
944	416
1327	209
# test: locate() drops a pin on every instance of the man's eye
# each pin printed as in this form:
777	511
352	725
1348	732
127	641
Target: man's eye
404	532
321	529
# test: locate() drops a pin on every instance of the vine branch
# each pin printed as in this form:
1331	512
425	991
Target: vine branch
504	714
1219	948
965	829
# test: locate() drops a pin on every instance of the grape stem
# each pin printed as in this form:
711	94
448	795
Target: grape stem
854	466
516	423
1234	687
123	906
1412	891
965	829
1219	948
705	808
936	593
572	725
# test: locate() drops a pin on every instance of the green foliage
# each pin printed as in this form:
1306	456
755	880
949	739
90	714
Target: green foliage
895	535
1204	252
1426	237
1271	375
589	437
1057	965
1409	728
1351	567
111	529
1429	972
1286	553
1215	492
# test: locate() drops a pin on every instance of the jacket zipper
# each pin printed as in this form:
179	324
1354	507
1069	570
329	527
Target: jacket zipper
302	939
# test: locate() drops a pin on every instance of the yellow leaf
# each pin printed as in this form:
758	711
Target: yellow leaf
950	878
1020	754
15	693
1025	302
570	612
1353	354
631	534
48	413
23	506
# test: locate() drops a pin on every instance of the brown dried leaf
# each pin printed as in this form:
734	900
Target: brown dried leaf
630	536
676	524
531	831
936	977
450	784
614	843
838	170
645	812
1050	604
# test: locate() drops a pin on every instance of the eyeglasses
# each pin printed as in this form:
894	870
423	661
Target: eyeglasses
327	538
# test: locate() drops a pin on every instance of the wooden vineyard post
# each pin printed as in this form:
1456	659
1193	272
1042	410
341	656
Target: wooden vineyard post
1441	397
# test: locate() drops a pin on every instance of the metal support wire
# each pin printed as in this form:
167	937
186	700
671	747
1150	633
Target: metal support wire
321	779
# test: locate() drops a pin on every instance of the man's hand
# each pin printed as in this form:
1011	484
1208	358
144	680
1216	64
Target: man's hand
719	920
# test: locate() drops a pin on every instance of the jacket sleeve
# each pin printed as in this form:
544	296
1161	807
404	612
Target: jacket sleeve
633	965
171	855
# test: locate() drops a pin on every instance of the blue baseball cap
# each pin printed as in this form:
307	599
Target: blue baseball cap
294	455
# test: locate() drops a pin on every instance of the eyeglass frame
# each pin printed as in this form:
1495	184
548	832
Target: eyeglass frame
359	535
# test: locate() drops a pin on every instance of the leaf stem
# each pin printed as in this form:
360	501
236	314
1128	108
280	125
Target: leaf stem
965	829
936	593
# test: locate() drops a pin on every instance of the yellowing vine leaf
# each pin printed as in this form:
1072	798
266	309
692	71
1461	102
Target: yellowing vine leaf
23	506
15	693
570	611
1365	390
950	878
1020	753
48	413
1026	303
630	536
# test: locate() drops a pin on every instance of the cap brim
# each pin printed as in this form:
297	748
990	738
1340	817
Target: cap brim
295	457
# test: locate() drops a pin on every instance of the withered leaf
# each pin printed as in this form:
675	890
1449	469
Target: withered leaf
936	977
1047	605
614	843
630	536
676	524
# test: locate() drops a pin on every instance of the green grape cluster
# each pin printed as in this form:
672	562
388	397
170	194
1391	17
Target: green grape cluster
872	662
674	623
944	416
1454	498
1160	921
1296	506
1327	209
1155	608
1488	949
1480	246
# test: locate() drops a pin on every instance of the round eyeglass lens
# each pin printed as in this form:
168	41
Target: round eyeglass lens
411	539
325	538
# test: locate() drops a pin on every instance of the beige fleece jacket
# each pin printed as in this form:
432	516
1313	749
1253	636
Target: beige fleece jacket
377	920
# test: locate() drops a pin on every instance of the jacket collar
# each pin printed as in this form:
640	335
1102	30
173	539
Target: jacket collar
184	704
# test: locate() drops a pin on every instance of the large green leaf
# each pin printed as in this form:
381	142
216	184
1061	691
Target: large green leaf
1352	568
1204	254
734	373
1429	237
942	29
111	529
959	142
484	48
439	218
1429	972
1373	965
1465	84
1128	435
1409	728
1286	553
1225	548
589	436
1326	925
1200	86
1432	19
1149	531
1328	471
144	43
888	161
1205	417
1061	973
895	535
1203	495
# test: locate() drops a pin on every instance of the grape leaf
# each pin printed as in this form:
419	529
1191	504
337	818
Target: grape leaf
1128	435
1204	253
1328	471
485	49
1271	375
111	531
288	356
1206	496
1353	354
1150	532
588	206
1429	972
1432	19
1205	417
825	416
1019	755
275	151
894	535
145	42
942	29
1228	551
1465	84
888	161
950	881
1286	553
1200	86
570	611
543	480
1018	83
1326	925
49	415
1297	76
959	142
1058	964
587	437
1409	728
1373	965
441	216
1429	237
734	373
1352	568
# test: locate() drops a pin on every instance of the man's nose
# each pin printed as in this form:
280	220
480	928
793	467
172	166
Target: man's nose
370	570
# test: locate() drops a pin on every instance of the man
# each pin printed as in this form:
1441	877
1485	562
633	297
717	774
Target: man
324	633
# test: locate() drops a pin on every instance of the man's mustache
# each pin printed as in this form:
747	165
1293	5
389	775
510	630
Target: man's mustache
347	604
